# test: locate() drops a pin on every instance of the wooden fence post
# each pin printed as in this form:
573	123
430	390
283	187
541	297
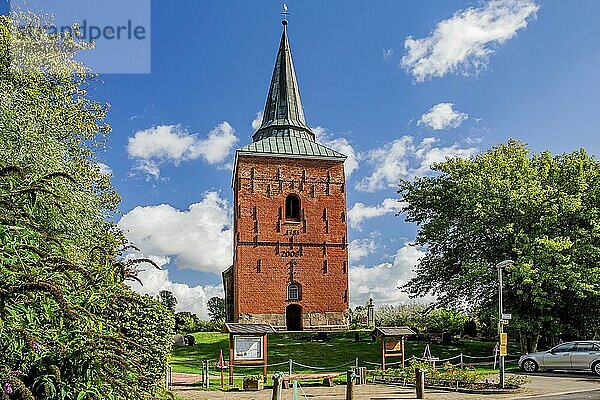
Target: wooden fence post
350	384
420	383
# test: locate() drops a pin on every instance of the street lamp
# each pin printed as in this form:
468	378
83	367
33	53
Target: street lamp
501	265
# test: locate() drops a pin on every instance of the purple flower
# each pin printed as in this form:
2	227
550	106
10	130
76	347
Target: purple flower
7	388
15	373
37	347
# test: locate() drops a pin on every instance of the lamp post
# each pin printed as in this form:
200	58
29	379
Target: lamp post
500	266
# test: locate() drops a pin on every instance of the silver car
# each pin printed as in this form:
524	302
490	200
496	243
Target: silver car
580	355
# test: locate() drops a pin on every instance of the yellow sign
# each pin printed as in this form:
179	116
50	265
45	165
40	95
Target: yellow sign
503	344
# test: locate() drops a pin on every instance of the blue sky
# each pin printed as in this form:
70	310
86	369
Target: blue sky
475	73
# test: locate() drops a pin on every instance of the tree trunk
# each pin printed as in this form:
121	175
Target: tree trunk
533	342
523	340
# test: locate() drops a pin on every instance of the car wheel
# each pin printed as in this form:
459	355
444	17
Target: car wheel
596	368
529	366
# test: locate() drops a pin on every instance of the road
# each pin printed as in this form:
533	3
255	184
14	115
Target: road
588	395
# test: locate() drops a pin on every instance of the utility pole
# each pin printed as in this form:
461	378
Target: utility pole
501	325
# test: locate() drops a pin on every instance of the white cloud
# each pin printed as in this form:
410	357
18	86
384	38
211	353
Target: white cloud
105	169
199	238
390	163
170	143
341	145
257	122
360	212
189	298
403	158
463	43
442	116
381	281
360	248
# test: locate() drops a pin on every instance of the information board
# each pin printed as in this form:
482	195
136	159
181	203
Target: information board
247	348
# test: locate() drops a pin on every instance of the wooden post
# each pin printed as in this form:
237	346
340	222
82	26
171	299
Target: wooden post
383	353
350	385
277	380
230	359
207	372
420	383
402	352
170	377
265	358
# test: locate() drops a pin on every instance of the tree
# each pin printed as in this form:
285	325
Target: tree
186	322
538	210
216	309
69	326
168	300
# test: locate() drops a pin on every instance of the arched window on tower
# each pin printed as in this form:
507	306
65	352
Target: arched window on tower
294	291
292	208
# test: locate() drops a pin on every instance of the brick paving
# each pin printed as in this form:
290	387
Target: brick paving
542	384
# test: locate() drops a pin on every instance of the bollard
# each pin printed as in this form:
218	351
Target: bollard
277	380
295	390
291	366
350	384
420	383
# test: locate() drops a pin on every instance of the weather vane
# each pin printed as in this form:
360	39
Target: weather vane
285	13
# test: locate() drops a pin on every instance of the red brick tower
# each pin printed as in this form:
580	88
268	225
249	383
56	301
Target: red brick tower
290	265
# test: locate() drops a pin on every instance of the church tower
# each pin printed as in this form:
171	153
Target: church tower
290	256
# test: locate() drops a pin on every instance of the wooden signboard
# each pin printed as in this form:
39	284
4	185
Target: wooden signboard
247	345
392	342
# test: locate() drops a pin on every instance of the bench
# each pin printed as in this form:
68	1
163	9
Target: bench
326	376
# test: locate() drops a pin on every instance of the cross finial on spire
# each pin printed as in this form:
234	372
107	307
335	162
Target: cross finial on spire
285	13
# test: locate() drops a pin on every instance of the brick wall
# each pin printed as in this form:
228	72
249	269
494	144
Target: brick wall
266	245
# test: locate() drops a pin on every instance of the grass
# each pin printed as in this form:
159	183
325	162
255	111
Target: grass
341	349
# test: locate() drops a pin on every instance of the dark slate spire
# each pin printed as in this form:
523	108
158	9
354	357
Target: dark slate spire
283	114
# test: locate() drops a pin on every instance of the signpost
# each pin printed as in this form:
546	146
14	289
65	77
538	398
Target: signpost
501	320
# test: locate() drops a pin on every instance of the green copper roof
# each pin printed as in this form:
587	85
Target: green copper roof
286	145
283	108
284	132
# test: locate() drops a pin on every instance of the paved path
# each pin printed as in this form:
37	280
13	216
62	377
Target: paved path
544	386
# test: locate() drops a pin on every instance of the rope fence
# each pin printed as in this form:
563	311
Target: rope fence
324	368
464	361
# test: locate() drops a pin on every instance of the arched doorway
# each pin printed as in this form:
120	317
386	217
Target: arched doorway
293	317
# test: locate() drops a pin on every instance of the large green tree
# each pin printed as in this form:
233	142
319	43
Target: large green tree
69	326
216	309
168	300
540	210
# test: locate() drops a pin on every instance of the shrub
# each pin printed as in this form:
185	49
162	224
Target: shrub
190	340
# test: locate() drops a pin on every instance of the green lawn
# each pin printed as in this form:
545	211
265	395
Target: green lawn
339	350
